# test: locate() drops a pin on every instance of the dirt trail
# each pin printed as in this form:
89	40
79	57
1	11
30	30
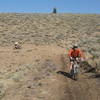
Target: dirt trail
31	74
38	70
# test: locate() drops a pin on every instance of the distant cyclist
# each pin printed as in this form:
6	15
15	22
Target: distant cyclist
75	53
17	45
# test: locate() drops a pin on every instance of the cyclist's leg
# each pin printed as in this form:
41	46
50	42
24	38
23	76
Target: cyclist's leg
71	64
77	59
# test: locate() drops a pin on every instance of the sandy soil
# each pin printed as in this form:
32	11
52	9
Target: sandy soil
39	73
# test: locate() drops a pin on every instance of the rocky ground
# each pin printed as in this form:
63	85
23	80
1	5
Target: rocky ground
39	70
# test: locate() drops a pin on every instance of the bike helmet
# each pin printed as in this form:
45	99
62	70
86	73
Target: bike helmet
75	46
16	43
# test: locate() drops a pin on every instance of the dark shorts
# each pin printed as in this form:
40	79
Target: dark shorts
73	59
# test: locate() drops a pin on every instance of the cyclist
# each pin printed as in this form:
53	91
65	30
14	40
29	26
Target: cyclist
74	53
17	45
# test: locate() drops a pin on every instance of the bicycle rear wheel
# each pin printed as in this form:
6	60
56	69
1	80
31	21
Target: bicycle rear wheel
75	76
75	72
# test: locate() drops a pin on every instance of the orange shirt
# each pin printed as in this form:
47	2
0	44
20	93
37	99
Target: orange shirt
75	53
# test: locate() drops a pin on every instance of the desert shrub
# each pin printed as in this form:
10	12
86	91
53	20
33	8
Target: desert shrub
95	55
2	91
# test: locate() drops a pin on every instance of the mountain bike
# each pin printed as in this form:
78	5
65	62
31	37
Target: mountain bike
74	70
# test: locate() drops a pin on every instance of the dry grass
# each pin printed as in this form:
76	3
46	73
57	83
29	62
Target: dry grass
29	73
62	29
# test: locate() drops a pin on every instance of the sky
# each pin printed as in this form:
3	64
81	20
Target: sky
46	6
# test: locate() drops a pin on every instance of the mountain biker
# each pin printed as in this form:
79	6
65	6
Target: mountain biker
17	45
75	53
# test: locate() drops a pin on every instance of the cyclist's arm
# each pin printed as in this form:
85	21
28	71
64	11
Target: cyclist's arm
69	53
81	55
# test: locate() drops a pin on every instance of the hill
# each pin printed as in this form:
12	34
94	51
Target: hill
38	70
